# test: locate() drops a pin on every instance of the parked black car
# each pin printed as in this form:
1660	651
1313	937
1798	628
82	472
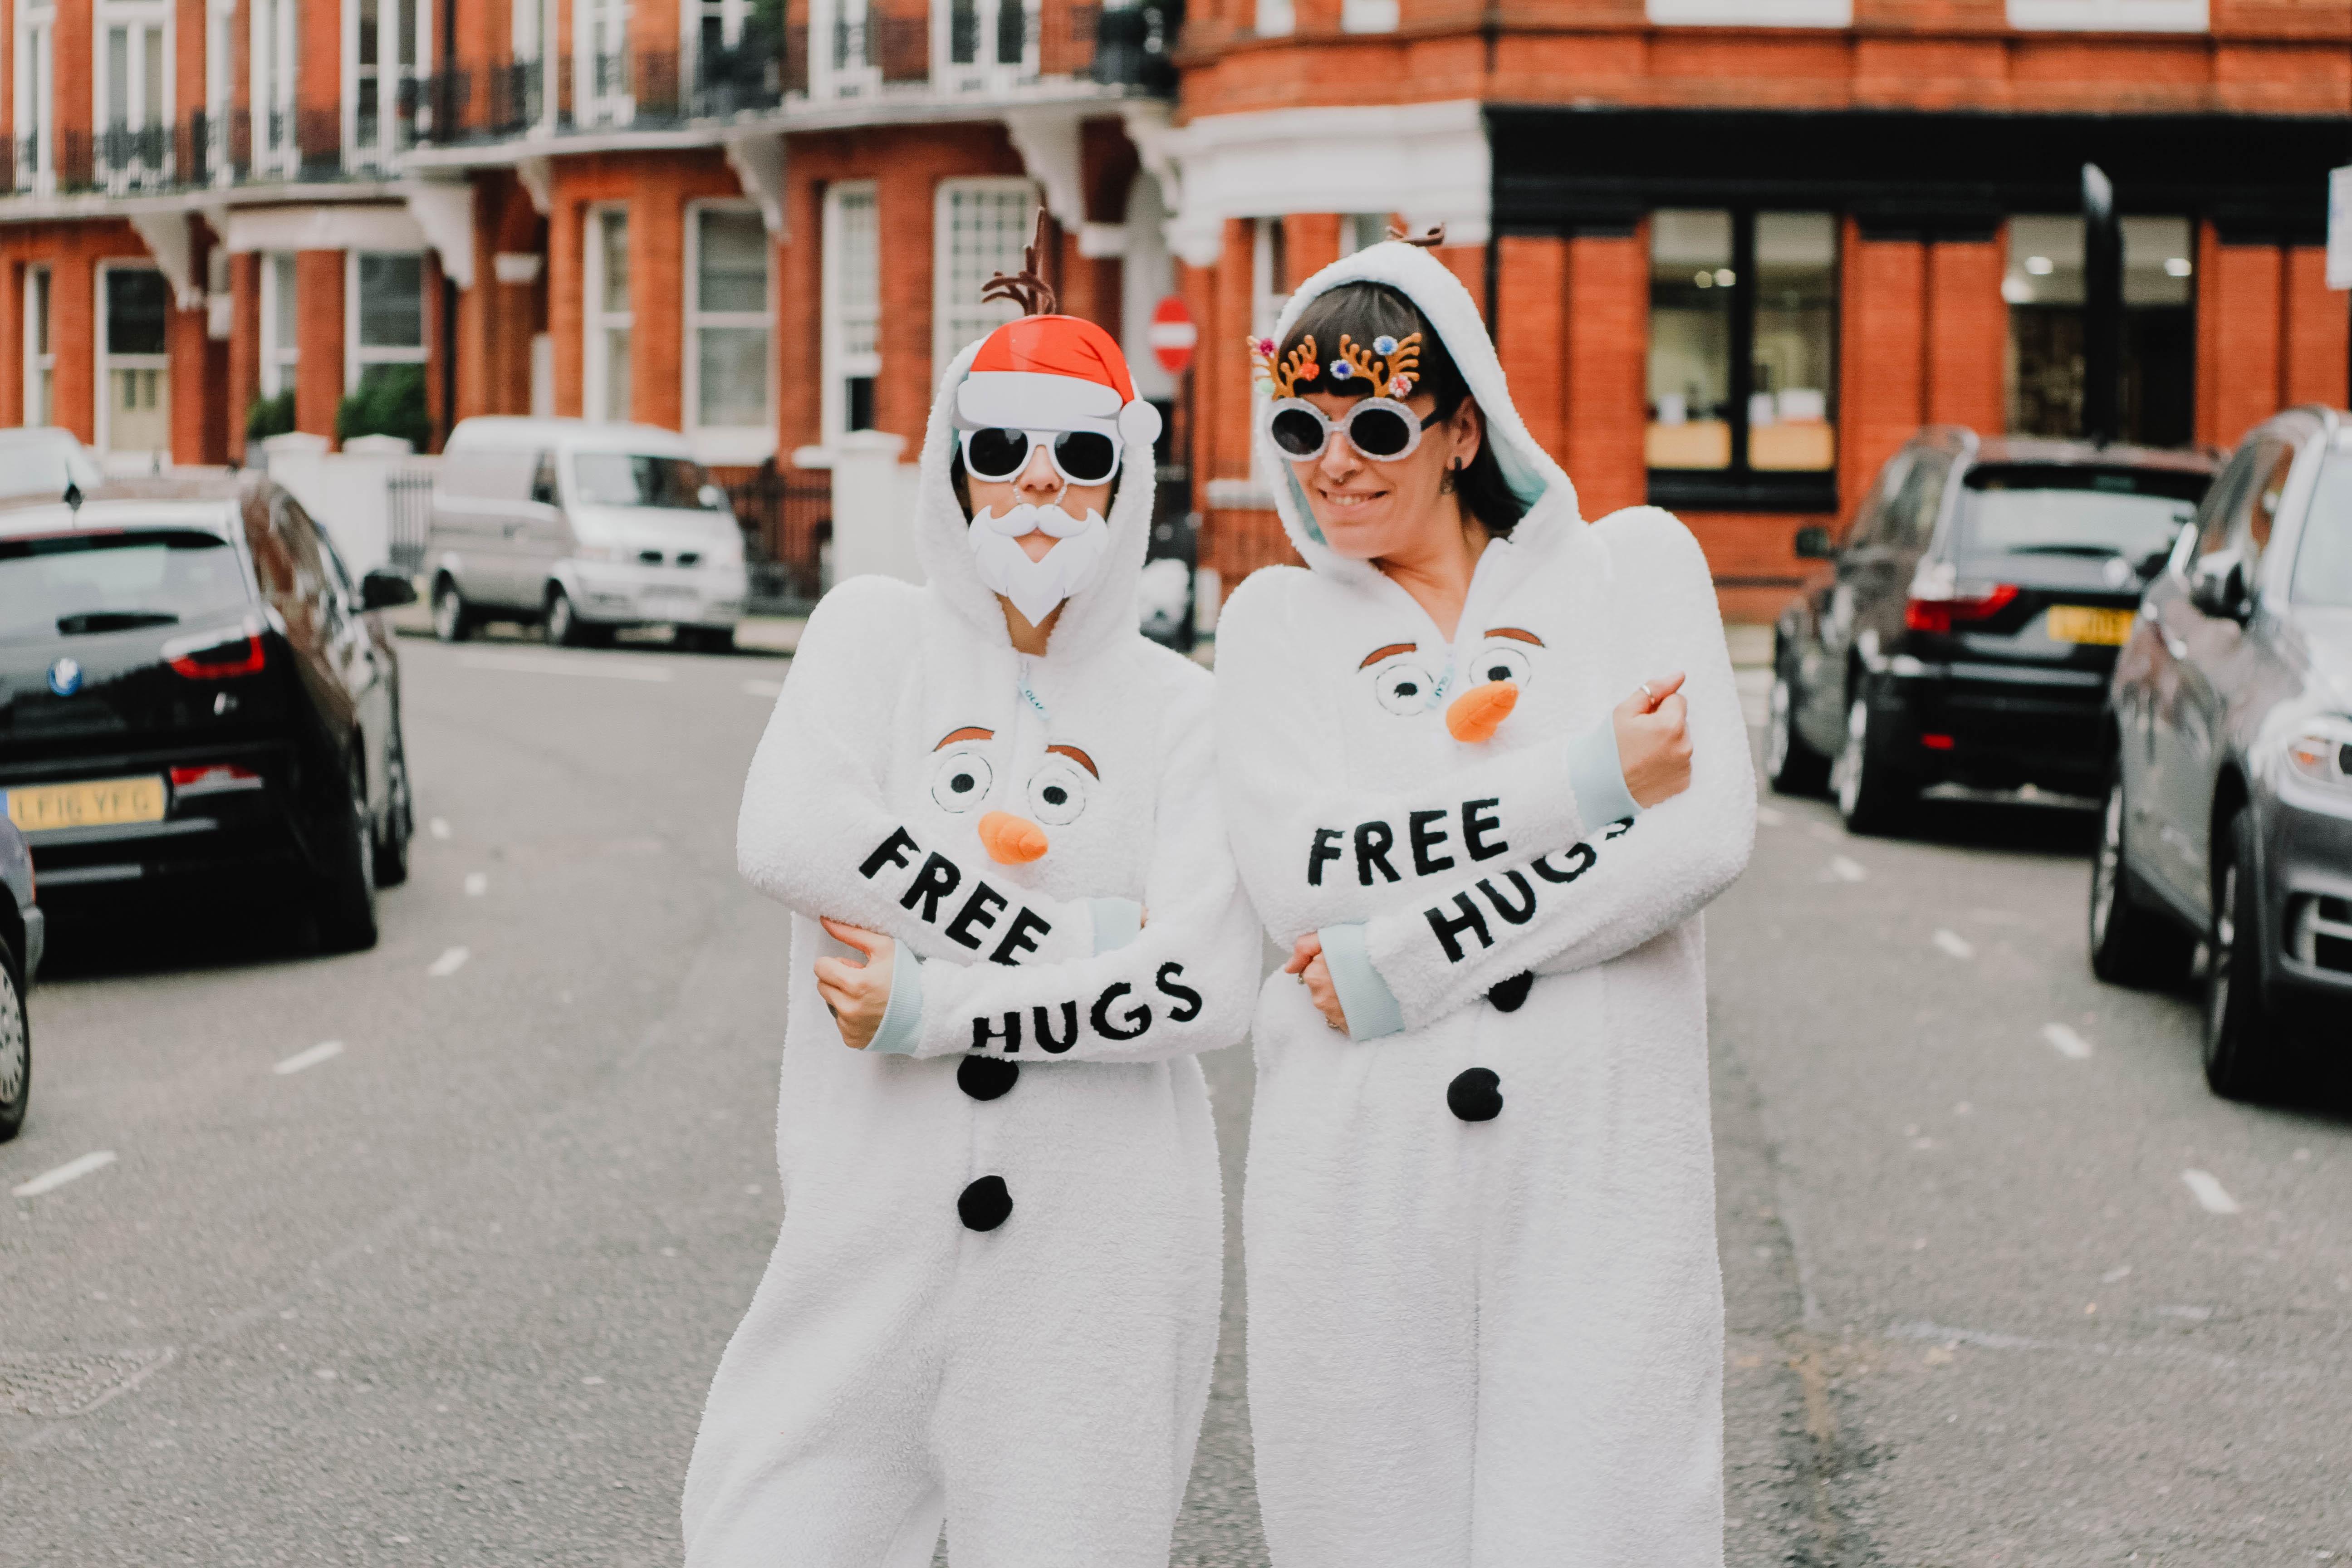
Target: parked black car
21	928
1966	632
191	686
2228	798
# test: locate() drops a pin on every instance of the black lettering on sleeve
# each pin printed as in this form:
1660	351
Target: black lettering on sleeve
1618	829
1045	1021
1011	1033
1138	1018
935	881
1581	859
1190	999
1450	927
1372	841
1424	862
1475	826
1525	911
1323	850
891	851
1027	926
980	910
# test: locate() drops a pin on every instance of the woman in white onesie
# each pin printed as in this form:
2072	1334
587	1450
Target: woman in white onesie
1483	764
996	1289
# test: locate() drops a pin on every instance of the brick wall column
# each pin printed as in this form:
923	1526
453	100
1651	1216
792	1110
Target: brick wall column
799	319
71	58
566	277
188	39
196	408
1468	263
1533	341
2240	314
318	80
243	346
1967	335
657	285
12	338
1198	285
1608	331
1228	362
2317	327
904	199
1310	242
73	332
1882	346
319	339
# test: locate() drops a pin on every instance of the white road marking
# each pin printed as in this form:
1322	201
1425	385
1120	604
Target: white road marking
323	1051
448	964
592	1382
2121	1271
763	688
1770	817
1955	944
2066	1042
2210	1194
440	826
527	663
72	1170
1845	871
477	883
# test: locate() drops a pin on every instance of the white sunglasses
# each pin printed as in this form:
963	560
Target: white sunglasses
1381	428
1081	457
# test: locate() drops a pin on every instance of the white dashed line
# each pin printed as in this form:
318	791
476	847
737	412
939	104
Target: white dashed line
72	1170
1843	869
1955	944
440	826
448	964
763	688
2066	1042
1768	818
602	669
477	883
324	1051
2210	1194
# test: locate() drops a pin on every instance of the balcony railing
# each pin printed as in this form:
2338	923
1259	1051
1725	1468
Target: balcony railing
201	151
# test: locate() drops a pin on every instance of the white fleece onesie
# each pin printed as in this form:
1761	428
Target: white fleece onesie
1040	1380
1485	1322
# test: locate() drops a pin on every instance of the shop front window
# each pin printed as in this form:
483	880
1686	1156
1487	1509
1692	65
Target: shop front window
1743	342
2046	288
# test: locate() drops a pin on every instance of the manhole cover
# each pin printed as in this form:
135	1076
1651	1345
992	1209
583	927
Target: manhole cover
73	1385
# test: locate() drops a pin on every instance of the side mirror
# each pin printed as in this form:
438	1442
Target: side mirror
713	496
383	588
2217	585
1813	543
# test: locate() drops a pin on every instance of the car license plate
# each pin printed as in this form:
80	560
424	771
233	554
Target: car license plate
2088	624
99	802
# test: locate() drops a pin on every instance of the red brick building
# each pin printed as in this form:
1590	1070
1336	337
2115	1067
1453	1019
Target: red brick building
1734	250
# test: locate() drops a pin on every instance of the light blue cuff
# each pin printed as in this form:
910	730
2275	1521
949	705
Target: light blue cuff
1364	996
902	1020
1118	921
1599	778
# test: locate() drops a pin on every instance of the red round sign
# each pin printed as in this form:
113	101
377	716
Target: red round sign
1172	334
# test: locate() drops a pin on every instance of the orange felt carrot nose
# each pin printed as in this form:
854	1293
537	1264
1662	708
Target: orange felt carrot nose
1011	840
1477	713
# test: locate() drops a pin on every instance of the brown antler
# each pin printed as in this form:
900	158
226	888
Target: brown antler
1028	288
1428	238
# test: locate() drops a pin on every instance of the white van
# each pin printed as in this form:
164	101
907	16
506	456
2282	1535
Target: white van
586	526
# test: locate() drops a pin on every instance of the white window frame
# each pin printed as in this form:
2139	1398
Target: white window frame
137	18
1274	19
40	366
2111	16
272	54
596	402
986	72
357	358
1752	13
837	364
600	29
861	73
1368	16
279	357
361	151
106	364
730	444
1266	302
692	14
220	87
534	23
36	92
945	343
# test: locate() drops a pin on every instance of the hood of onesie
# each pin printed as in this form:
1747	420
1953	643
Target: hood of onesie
1540	482
1019	364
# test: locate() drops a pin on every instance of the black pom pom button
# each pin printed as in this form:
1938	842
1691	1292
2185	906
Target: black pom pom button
986	1078
985	1204
1508	995
1475	1095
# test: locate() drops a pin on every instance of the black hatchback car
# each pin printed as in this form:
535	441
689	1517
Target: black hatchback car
1965	633
191	686
2229	800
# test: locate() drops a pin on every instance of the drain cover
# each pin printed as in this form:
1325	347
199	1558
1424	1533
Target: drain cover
73	1385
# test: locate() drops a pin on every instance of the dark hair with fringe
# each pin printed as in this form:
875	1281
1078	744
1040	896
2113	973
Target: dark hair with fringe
1365	312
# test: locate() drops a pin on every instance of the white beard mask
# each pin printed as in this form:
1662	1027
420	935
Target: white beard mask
1036	586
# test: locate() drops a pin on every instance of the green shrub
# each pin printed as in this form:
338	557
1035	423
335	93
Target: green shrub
269	417
390	402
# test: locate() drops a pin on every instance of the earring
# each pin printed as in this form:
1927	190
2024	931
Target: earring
1445	481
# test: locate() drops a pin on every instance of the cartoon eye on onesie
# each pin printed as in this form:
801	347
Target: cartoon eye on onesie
962	778
1403	683
1058	790
1499	670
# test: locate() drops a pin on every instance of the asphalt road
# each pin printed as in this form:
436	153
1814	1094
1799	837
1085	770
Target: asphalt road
452	1293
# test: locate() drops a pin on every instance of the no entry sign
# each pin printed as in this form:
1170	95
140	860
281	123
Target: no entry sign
1173	335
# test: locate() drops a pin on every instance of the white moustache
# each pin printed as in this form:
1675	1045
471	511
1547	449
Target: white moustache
1036	586
1023	519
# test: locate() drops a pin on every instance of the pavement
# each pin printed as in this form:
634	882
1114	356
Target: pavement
426	1254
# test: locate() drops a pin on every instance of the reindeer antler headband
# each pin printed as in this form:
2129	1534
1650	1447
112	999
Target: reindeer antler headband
1389	370
1027	288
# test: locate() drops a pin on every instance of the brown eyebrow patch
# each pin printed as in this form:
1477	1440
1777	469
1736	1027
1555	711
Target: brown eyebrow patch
1516	634
969	733
1378	654
1078	757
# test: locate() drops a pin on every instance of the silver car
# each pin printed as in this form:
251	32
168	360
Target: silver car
21	928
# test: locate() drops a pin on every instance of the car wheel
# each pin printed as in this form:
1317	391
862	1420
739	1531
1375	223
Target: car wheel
1871	796
564	627
453	619
1792	766
2131	944
2241	1046
15	1050
399	817
346	899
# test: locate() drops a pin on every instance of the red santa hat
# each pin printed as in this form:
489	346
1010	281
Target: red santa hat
1054	372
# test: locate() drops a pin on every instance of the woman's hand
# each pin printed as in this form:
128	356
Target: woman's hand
1307	962
858	993
1654	747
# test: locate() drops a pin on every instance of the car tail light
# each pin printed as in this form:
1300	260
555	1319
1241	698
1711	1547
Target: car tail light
217	779
219	655
1937	742
1939	603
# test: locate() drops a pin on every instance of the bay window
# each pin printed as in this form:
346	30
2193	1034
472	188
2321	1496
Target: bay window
271	47
981	228
384	44
851	350
383	314
729	327
135	90
987	40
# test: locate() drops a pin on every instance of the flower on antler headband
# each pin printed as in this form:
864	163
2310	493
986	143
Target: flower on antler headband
1390	366
1279	380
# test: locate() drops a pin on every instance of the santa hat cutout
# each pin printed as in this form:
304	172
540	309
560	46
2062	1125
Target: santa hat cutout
1045	371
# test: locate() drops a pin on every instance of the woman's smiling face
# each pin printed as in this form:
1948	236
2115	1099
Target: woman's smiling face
1370	510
